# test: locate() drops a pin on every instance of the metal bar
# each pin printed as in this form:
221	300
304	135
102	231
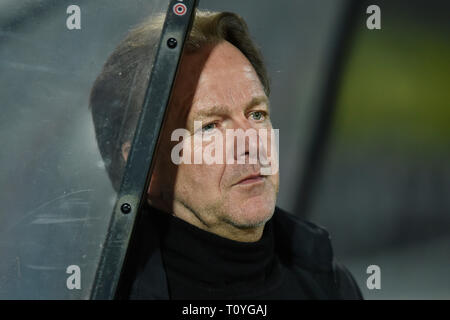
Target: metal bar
132	193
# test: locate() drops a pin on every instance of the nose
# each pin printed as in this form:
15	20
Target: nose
242	141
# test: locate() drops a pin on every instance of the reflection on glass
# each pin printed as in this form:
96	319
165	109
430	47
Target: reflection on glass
56	195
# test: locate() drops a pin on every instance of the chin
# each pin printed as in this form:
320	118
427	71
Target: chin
252	212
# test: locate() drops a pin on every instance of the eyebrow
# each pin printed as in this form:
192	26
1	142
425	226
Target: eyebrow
222	109
257	101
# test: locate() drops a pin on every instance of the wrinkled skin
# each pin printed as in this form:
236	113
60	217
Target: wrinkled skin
217	85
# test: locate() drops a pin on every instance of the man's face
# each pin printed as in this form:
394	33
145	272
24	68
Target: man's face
218	86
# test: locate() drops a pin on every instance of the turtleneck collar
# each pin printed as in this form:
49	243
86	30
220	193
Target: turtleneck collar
202	257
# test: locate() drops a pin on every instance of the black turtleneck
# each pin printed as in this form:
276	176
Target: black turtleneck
202	265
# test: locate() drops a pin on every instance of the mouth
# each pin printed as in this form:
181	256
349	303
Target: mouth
251	179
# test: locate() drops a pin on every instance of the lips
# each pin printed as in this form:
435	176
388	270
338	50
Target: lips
253	178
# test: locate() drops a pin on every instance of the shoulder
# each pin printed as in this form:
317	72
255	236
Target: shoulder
306	248
347	287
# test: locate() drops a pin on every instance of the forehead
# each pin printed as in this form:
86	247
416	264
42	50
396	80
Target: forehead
219	75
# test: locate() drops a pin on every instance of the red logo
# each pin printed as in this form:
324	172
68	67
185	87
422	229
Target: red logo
179	9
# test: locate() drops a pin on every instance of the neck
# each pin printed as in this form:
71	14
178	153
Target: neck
221	227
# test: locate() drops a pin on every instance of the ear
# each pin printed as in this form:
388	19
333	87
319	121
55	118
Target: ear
126	150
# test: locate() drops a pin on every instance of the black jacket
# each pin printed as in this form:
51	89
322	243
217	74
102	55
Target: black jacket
301	246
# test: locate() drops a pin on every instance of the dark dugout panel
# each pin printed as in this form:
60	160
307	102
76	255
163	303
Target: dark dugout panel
56	196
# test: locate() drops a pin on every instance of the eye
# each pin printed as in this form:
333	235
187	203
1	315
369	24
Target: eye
257	115
209	127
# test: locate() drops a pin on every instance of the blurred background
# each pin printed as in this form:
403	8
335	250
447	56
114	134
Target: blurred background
364	119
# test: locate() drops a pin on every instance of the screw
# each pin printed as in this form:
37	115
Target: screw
172	43
125	208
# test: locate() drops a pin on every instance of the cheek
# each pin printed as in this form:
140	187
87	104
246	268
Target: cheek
199	180
275	179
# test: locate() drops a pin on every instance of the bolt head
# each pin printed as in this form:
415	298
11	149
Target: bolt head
125	208
172	43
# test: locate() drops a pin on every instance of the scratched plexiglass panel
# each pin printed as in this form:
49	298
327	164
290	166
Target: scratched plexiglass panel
56	197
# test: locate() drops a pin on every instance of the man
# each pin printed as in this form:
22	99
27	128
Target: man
211	230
